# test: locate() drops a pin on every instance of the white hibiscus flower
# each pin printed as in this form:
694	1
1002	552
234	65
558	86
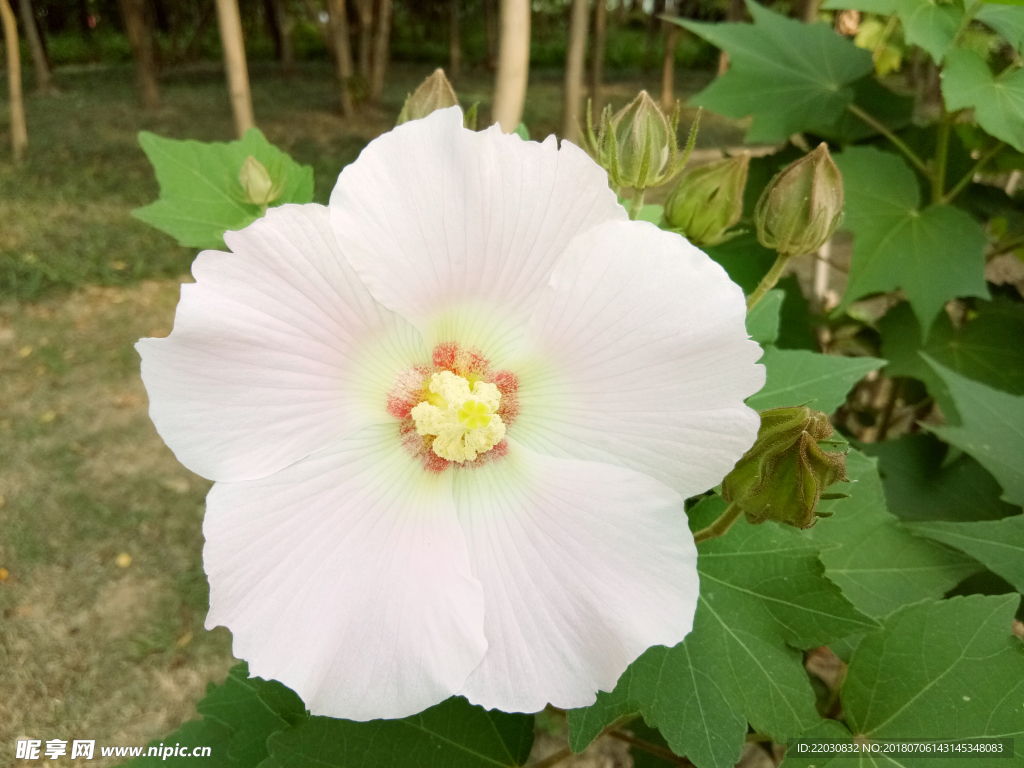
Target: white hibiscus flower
452	419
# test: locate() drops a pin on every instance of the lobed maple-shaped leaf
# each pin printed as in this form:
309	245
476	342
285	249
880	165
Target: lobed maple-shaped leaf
875	560
790	76
930	24
934	253
1007	20
800	377
763	596
998	544
997	100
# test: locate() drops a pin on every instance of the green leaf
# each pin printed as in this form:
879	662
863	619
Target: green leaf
894	110
790	76
1007	20
652	213
998	544
200	194
522	132
985	348
744	259
452	734
874	559
799	377
194	733
930	24
922	485
763	320
936	670
881	7
934	254
992	430
997	101
762	594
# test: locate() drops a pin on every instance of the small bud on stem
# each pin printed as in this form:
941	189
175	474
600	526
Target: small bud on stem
260	189
708	201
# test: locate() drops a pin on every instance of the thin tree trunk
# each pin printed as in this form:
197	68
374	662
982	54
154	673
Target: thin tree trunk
234	62
282	21
597	55
35	45
574	61
365	10
83	20
381	50
491	25
342	53
313	14
513	64
454	41
735	13
810	10
141	40
19	133
668	68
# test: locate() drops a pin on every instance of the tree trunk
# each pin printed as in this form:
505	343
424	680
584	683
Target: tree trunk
365	11
381	50
83	20
810	10
19	133
513	64
35	45
141	40
234	62
574	59
597	55
668	68
342	52
491	25
281	20
454	41
735	13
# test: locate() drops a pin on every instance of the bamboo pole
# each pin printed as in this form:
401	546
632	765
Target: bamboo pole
141	41
342	53
574	63
513	64
40	65
230	22
19	132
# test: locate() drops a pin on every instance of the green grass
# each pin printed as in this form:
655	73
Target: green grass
88	648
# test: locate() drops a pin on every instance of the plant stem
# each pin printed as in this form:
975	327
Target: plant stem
554	759
768	281
636	202
1007	245
654	749
941	156
721	525
969	176
883	129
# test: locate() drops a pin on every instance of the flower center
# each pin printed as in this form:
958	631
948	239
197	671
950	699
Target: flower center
463	419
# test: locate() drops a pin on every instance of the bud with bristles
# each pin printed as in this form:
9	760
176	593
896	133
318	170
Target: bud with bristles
708	201
784	475
434	93
259	187
802	206
637	145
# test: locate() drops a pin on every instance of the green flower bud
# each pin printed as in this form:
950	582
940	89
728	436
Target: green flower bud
259	187
708	201
802	206
434	93
783	476
637	145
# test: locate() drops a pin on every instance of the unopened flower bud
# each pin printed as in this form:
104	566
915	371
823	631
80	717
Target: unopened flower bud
784	475
259	187
637	145
708	201
434	93
802	206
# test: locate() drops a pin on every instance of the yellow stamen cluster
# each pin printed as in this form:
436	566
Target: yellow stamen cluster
463	419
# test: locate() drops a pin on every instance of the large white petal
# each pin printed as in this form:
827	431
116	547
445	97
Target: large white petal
638	355
458	230
584	566
346	577
278	350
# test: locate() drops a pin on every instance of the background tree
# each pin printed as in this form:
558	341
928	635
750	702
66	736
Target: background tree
381	50
513	64
668	64
19	132
230	23
141	39
40	65
491	27
574	59
454	40
364	11
280	22
597	54
338	25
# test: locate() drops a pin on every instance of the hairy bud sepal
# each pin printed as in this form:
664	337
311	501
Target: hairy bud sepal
434	93
708	201
785	474
802	206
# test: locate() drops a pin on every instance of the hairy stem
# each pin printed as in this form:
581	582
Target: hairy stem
721	525
635	204
883	129
768	281
968	177
938	174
